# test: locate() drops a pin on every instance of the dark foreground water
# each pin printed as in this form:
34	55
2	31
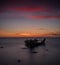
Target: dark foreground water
13	51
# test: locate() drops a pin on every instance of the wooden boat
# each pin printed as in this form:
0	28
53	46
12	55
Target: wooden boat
34	43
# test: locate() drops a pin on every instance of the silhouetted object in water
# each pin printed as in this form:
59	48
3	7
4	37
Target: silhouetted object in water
1	47
46	49
19	60
34	52
31	44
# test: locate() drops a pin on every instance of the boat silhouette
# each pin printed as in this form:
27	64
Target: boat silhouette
31	44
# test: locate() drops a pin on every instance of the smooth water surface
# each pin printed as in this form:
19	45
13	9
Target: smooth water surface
13	50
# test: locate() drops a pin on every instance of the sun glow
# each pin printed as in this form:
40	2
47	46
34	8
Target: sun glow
25	34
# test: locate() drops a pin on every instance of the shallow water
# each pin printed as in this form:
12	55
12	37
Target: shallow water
14	50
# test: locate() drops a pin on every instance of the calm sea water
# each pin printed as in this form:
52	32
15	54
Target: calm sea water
13	50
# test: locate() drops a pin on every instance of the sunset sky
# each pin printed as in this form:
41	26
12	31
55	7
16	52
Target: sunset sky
29	18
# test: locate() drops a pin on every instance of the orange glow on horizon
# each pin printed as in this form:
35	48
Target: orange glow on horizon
28	35
25	34
4	33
